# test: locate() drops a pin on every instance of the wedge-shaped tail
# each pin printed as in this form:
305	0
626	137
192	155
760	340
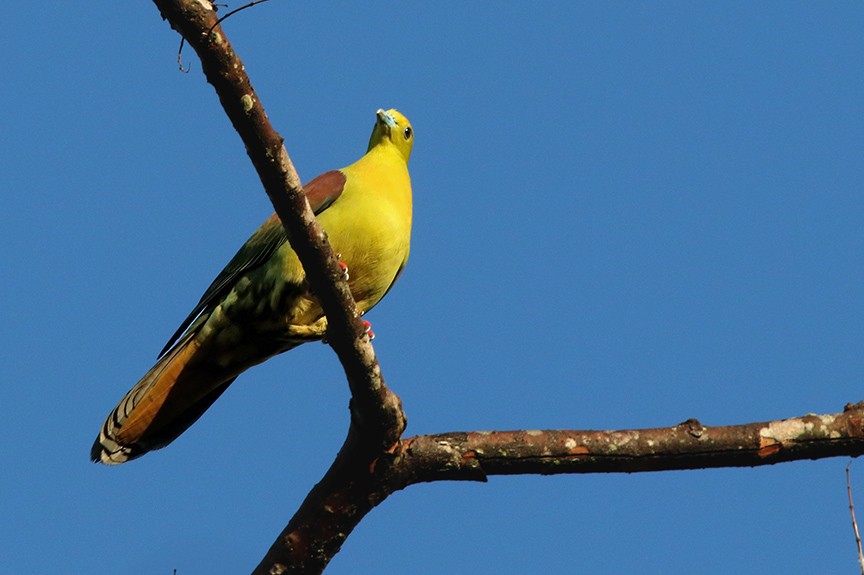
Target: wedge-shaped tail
161	406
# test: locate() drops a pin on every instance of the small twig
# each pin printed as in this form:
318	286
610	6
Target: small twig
180	57
249	5
854	522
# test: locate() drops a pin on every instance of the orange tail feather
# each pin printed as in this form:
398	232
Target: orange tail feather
161	406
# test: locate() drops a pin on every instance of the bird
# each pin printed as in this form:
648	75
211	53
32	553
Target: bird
261	305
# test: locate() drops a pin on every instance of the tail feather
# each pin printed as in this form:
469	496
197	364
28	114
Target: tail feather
161	406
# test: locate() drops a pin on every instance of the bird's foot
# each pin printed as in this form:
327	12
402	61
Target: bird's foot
344	267
367	329
316	330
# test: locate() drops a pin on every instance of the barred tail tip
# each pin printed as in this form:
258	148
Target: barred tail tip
106	450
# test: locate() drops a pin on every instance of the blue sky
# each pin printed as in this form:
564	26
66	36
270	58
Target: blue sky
626	215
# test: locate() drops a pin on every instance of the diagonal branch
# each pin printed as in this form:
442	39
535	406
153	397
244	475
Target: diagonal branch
377	420
373	405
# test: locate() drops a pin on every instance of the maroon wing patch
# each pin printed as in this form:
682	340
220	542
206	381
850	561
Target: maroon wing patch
324	190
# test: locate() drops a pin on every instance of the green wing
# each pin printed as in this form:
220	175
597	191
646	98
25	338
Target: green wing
254	252
321	193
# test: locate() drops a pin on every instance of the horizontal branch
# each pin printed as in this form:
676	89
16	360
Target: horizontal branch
688	445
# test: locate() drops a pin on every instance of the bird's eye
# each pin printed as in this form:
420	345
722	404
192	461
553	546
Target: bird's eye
407	133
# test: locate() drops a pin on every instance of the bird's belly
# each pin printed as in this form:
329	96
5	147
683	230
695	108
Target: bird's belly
372	266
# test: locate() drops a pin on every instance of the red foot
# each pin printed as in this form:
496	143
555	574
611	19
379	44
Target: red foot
368	327
342	266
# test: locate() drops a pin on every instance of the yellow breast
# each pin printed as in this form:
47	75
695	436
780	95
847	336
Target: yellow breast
370	224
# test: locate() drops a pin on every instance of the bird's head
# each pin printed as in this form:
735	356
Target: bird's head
392	128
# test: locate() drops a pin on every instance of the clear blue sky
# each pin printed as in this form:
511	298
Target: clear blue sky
625	216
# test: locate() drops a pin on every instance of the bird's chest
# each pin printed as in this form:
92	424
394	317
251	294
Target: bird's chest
374	246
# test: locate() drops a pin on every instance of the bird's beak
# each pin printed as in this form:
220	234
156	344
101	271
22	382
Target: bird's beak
385	118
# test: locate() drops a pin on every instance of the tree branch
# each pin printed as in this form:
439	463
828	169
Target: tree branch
373	463
688	445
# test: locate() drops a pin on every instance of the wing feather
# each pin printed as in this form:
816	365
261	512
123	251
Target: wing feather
321	193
